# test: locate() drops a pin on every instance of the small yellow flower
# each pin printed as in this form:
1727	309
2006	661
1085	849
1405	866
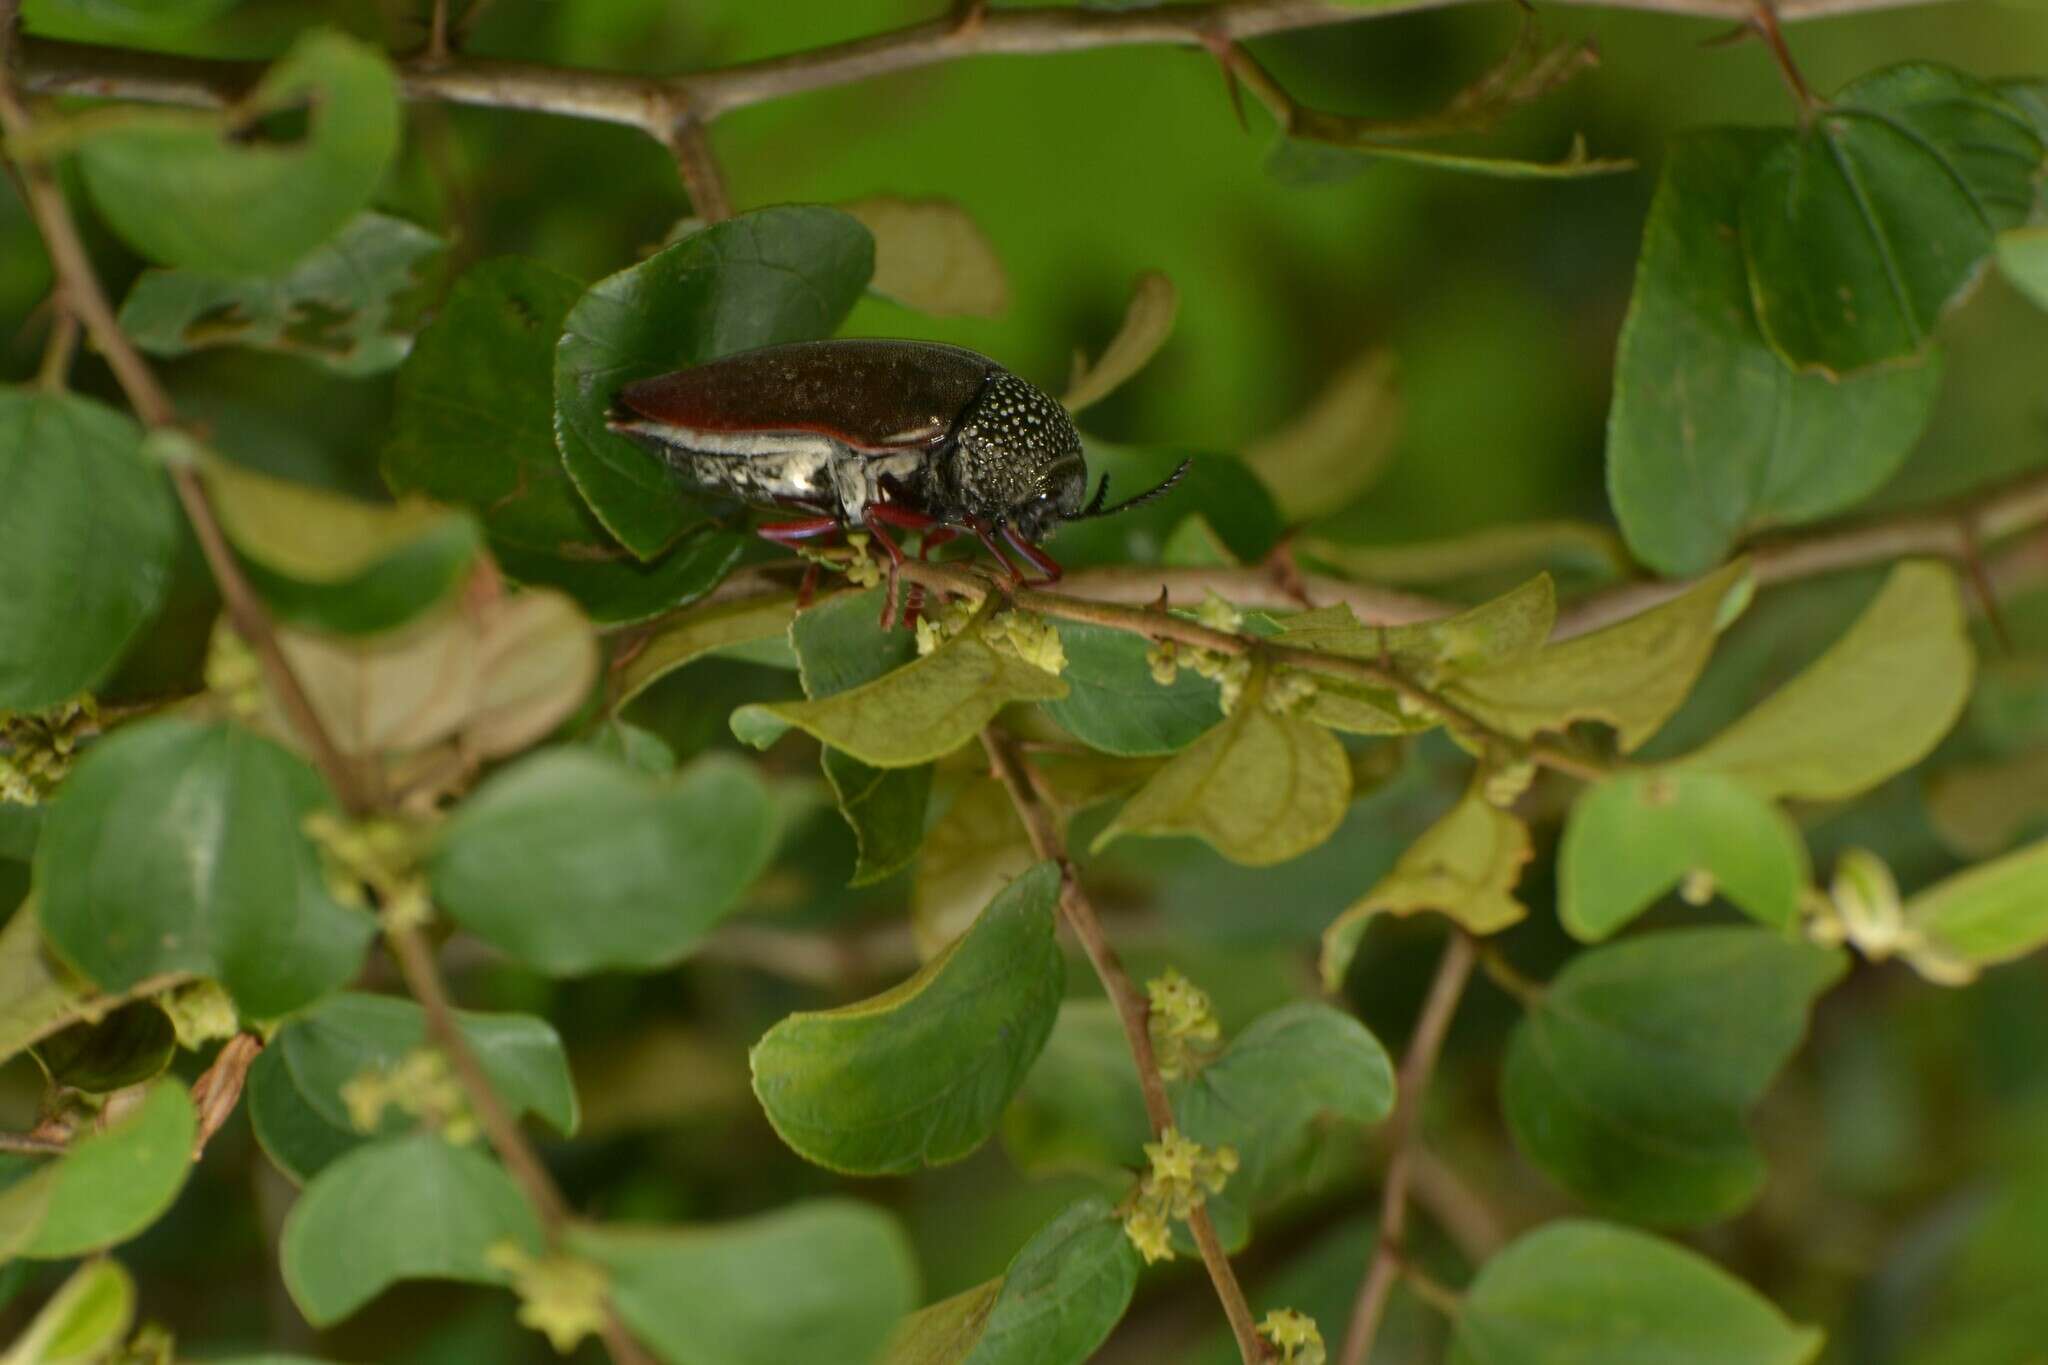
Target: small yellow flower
1296	1335
1160	658
1217	614
1149	1233
559	1296
1184	1030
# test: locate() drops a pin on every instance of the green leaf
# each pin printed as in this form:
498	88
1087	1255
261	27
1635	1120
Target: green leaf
107	1186
886	809
839	643
1711	436
919	1075
1993	912
698	632
826	1279
409	1208
649	866
333	307
1080	1108
38	996
974	850
1059	1298
132	1045
1635	836
1628	1080
1863	231
1872	705
1594	1294
1293	1070
1465	866
1260	788
85	1321
2023	257
209	192
334	563
913	715
1632	675
774	275
177	847
1113	703
295	1090
86	534
1511	626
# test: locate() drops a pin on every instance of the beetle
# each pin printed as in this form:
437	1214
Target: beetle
874	434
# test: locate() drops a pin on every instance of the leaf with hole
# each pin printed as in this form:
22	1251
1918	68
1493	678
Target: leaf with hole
648	865
333	307
1628	1079
216	193
1595	1294
176	847
919	1075
86	536
408	1208
107	1186
295	1087
1711	436
767	1290
1635	836
1260	788
1874	704
1862	232
774	275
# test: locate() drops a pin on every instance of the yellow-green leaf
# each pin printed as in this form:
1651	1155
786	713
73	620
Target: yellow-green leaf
84	1321
1631	675
1874	704
1464	866
107	1186
1147	323
38	996
1510	626
915	714
1262	787
1993	912
931	255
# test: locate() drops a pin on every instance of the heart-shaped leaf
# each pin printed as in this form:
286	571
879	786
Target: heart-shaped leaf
1635	836
572	862
1863	231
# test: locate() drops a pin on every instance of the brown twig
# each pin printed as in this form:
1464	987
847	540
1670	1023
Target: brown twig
1133	1011
698	166
648	103
28	1144
1403	1133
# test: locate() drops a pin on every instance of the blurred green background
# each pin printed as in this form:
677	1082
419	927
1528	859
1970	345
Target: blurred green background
1500	300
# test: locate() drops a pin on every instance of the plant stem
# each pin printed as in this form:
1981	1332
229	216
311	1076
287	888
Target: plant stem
1133	1012
55	371
698	166
1403	1135
27	1144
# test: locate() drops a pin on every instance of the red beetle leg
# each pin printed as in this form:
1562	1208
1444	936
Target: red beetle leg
934	538
887	542
790	532
1038	558
995	548
809	587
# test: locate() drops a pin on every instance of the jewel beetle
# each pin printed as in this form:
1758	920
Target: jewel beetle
874	434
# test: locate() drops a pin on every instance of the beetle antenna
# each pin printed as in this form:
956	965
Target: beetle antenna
1096	510
1094	507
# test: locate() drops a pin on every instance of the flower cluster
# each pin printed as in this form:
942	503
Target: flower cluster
1183	1176
559	1296
1295	1335
1184	1029
200	1012
233	675
36	747
420	1084
934	628
1031	638
380	853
